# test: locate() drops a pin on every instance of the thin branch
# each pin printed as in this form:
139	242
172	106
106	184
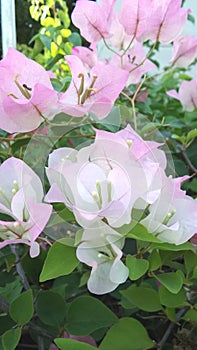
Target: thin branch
40	331
19	268
132	100
41	343
4	306
171	326
187	160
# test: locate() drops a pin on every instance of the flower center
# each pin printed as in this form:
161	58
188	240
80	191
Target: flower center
168	217
24	89
84	93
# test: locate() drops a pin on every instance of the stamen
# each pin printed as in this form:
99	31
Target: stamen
98	187
23	90
84	97
26	87
88	91
109	190
103	255
16	187
2	194
168	217
81	88
93	81
129	143
13	96
96	199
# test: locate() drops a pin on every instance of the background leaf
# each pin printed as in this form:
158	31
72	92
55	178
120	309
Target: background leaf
171	280
61	260
86	314
70	344
137	267
127	334
10	339
144	298
51	308
22	309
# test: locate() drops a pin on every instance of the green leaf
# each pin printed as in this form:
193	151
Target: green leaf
51	308
11	290
112	121
87	314
84	279
5	323
46	40
190	260
195	273
75	39
53	61
174	247
191	134
57	84
171	313
70	344
190	316
192	185
66	215
61	260
172	300
137	267
191	18
127	334
11	338
22	309
144	298
141	233
172	281
154	260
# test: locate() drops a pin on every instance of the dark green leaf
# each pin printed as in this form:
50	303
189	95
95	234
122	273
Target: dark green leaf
190	259
137	267
154	260
141	233
191	316
10	339
51	308
173	247
21	309
172	300
70	344
86	314
127	334
172	281
146	299
11	290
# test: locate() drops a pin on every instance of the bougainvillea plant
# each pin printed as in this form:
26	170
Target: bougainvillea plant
98	209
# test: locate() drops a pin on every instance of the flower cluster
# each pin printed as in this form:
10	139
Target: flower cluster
24	214
27	97
103	184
